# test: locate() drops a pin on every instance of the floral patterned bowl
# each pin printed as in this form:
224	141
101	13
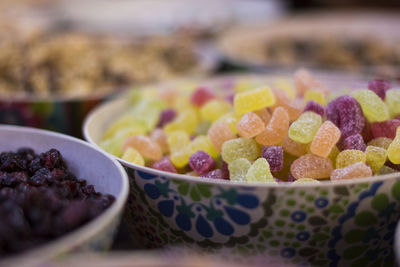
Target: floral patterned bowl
347	223
84	161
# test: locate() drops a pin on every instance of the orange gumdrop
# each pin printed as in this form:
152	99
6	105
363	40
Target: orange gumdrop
218	133
144	145
303	81
160	137
293	108
357	170
276	129
250	125
264	115
311	166
294	148
325	139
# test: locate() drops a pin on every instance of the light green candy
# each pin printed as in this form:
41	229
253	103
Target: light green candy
376	157
112	146
147	111
392	101
260	172
240	148
238	169
373	107
305	127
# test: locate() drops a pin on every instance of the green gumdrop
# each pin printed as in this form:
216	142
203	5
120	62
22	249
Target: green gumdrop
148	112
112	146
240	148
305	127
238	169
260	172
373	107
392	100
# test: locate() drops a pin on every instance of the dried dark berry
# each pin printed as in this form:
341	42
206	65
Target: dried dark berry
52	159
40	177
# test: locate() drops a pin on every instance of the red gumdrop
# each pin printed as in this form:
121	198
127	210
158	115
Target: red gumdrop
201	96
165	165
385	128
274	156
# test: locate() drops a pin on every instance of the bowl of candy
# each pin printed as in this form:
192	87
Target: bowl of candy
58	195
53	79
295	167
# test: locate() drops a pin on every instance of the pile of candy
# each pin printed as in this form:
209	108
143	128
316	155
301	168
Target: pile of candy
252	132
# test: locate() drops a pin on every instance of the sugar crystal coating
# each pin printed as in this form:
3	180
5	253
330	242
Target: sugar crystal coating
294	148
311	166
325	139
147	147
382	142
305	127
219	133
376	157
250	125
201	162
385	128
259	171
393	150
274	157
240	148
355	141
372	106
350	116
214	174
238	169
356	170
379	87
349	157
276	129
165	164
392	101
253	100
314	107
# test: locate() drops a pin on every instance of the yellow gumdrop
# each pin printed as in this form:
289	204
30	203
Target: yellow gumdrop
393	150
177	140
305	127
349	157
129	131
392	101
373	107
333	155
238	169
133	156
112	146
214	109
231	119
202	142
376	157
186	120
314	95
253	100
123	122
180	158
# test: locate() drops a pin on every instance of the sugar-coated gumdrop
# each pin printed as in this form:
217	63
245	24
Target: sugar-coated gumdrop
293	107
392	101
372	106
385	128
393	150
166	116
276	129
186	120
379	87
311	166
146	147
306	181
250	125
274	156
305	127
333	155
133	156
382	142
253	100
286	86
376	157
294	148
113	146
314	107
303	81
219	133
316	96
325	139
202	142
231	119
385	170
354	141
240	148
201	96
214	174
356	170
238	169
160	137
264	115
165	164
177	140
349	157
201	162
215	109
260	172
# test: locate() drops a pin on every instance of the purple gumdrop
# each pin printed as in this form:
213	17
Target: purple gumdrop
379	87
351	117
166	116
215	174
355	141
314	107
332	113
225	170
274	156
165	164
201	162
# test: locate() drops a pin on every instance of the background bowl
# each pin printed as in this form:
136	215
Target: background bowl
86	162
348	223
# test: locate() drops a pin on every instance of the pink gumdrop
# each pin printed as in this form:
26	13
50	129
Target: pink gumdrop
314	107
201	162
356	142
215	174
165	165
201	96
385	128
274	156
379	87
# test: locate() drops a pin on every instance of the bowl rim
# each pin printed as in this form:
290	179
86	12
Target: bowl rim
123	96
83	233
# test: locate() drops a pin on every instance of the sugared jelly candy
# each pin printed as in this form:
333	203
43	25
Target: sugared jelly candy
382	142
303	81
230	118
314	95
393	150
202	142
286	86
314	107
201	96
113	146
224	169
392	101
376	157
264	115
186	120
379	87
386	170
214	174
238	169
250	125
333	155
177	140
160	137
385	128
240	148
133	156
306	181
146	147
166	116
219	133
292	107
294	148
253	100
164	165
202	128
305	127
311	166
349	157
372	106
274	156
124	122
215	109
260	172
325	139
201	162
356	170
276	129
354	141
